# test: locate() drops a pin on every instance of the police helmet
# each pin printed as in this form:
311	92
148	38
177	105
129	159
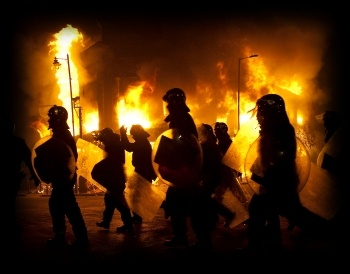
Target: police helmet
270	104
58	117
220	127
209	132
209	128
58	114
174	95
105	134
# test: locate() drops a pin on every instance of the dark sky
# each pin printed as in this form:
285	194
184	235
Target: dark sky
194	40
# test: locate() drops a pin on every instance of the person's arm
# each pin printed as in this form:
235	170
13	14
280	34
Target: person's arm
125	141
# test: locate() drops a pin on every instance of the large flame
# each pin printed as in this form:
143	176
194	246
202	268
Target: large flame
41	128
67	75
131	110
260	80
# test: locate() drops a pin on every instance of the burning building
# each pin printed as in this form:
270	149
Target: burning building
122	65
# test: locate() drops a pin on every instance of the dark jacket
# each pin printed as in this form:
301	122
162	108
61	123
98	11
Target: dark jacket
110	172
180	118
141	156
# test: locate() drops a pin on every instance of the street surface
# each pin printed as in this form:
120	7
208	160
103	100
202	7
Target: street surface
144	247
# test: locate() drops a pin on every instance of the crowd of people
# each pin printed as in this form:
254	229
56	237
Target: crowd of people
199	200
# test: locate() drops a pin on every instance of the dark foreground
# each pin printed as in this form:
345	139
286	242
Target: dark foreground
144	250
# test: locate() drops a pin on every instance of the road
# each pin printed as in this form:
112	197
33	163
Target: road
144	247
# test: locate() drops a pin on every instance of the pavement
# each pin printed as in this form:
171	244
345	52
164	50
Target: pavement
143	249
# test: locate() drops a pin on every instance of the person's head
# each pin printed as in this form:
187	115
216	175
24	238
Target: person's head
58	116
174	95
271	111
111	141
176	100
220	128
105	135
206	134
138	132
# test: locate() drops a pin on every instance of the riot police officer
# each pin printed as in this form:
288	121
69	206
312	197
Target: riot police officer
221	133
62	202
275	170
110	173
141	150
189	200
17	152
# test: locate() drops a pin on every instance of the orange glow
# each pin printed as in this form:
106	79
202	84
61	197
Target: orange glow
300	119
91	121
292	86
130	110
41	128
61	47
259	81
133	108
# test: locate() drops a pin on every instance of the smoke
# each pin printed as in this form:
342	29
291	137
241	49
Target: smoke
196	52
202	59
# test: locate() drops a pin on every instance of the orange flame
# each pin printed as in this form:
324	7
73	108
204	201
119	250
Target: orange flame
131	110
41	128
68	73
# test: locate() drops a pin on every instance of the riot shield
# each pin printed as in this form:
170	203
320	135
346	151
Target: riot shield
89	155
53	160
252	165
143	197
177	159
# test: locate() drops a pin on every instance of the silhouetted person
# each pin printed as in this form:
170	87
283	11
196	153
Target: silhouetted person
141	150
230	177
213	171
275	170
223	138
187	200
110	173
179	116
62	202
17	153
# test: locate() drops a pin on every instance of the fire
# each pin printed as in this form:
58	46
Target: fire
67	75
131	110
259	81
92	121
41	128
300	119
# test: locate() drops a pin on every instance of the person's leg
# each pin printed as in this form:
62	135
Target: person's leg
256	223
75	218
273	231
178	221
204	217
176	202
108	212
122	206
136	218
56	209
